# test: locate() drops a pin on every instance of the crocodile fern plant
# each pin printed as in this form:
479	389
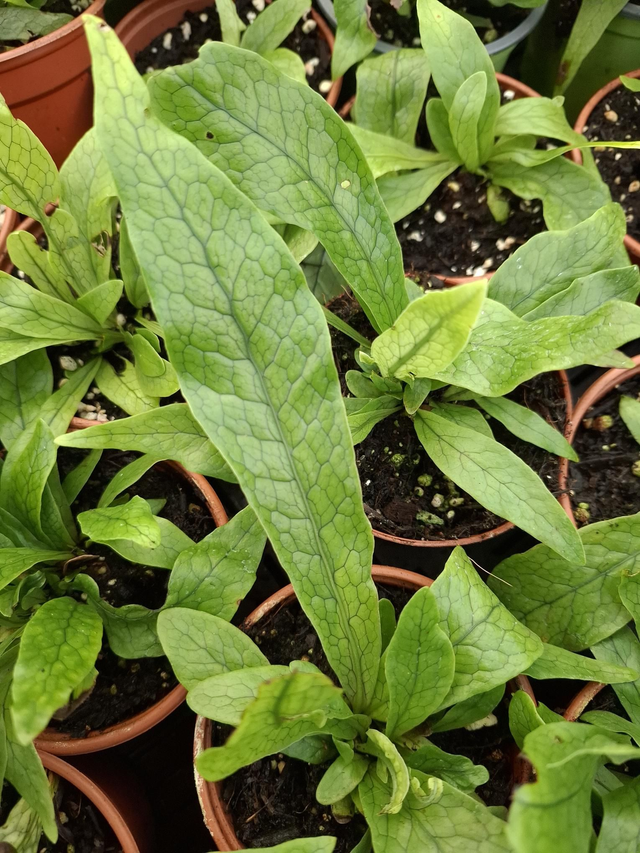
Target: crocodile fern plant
253	355
72	293
298	161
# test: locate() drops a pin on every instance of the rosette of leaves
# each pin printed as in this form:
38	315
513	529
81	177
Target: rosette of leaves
356	38
584	783
469	129
21	21
255	364
439	352
74	294
52	615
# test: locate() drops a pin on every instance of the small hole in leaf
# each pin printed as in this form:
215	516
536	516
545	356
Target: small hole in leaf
209	135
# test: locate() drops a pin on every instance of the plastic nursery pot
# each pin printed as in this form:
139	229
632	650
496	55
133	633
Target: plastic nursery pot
216	817
60	743
600	388
115	796
9	223
47	84
153	17
499	50
632	245
617	52
506	84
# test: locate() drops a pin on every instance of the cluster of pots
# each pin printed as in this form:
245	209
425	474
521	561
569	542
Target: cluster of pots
54	97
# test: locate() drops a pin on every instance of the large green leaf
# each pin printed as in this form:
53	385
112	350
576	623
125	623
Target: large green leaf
341	778
457	770
556	662
571	604
630	414
565	756
540	116
548	263
252	350
391	89
133	521
25	384
499	480
620	831
170	431
58	649
226	696
27	775
171	542
623	649
386	154
200	645
123	388
504	350
419	665
589	292
456	53
26	24
490	645
355	37
313	175
273	25
15	561
430	332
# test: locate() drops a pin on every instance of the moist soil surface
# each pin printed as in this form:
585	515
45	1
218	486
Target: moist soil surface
490	21
181	43
455	234
273	800
618	117
603	479
81	827
127	687
390	486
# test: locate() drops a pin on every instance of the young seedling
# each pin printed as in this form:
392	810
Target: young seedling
256	366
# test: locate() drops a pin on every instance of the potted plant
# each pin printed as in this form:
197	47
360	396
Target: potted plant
291	35
44	71
613	110
93	548
380	27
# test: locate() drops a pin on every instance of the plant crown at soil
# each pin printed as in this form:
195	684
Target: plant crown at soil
250	345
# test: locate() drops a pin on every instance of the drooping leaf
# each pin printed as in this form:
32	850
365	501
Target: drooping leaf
490	645
573	604
363	414
457	770
499	480
527	425
273	25
27	775
556	662
406	192
79	476
355	37
58	649
242	387
390	765
337	200
539	116
170	431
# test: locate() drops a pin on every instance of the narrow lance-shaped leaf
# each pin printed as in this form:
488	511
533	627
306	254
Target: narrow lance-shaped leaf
540	116
499	480
355	37
312	176
273	25
619	831
571	604
556	662
254	362
403	193
25	384
589	292
465	117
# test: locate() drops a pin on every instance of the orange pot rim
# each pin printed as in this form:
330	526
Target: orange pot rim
603	386
631	244
96	795
137	19
214	811
58	743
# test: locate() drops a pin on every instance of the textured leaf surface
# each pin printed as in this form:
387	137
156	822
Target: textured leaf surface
540	116
163	554
567	603
132	520
391	89
419	665
225	697
457	770
363	414
504	350
556	662
466	119
623	649
527	425
313	175
464	416
469	711
25	384
170	431
499	480
58	649
430	332
252	350
123	388
620	831
200	645
15	561
355	37
490	645
273	25
341	778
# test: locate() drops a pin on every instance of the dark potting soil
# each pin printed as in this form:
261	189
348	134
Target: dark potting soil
490	21
391	457
126	687
603	481
566	14
181	43
618	117
273	800
455	234
81	826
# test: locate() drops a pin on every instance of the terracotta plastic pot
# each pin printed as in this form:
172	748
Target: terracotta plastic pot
115	796
216	817
60	743
47	84
631	244
600	388
153	17
9	224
